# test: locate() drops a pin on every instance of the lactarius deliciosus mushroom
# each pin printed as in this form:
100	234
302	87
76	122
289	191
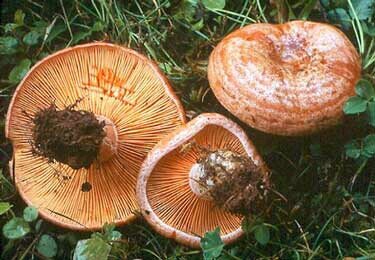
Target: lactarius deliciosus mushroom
204	175
81	123
287	79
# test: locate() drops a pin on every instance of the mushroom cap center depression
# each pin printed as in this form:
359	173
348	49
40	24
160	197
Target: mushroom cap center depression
108	147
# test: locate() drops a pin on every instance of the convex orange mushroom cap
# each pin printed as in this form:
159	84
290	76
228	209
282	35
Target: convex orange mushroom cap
173	191
286	79
123	95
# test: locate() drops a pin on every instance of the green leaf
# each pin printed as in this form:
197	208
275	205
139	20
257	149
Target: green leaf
369	144
325	3
97	27
306	11
193	2
369	29
30	214
92	249
39	26
108	228
110	233
365	89
186	10
115	235
249	224
19	17
371	113
214	4
53	31
262	234
329	4
10	27
19	71
47	246
31	38
198	25
16	228
166	67
355	105
246	225
363	8
8	45
341	16
5	207
365	155
212	245
81	36
353	149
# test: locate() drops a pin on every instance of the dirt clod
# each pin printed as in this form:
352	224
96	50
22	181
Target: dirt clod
69	136
233	181
86	187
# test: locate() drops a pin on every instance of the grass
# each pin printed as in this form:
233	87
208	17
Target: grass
330	207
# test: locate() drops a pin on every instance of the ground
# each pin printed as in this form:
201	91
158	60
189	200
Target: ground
327	180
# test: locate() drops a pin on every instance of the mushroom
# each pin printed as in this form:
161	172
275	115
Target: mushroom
288	79
81	123
199	177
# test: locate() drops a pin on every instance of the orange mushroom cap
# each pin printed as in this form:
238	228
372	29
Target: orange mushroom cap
119	86
167	200
287	79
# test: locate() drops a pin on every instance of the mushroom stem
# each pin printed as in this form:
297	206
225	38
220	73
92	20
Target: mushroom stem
230	180
108	147
200	189
73	137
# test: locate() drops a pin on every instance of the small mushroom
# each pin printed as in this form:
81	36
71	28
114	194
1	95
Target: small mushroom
81	123
287	79
201	176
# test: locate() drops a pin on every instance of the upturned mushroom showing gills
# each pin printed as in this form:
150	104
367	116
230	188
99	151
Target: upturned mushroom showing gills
81	122
204	175
288	79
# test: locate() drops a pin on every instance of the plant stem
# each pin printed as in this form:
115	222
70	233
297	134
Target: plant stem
29	247
360	38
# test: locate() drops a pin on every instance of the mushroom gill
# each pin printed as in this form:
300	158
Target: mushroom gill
171	201
169	190
121	88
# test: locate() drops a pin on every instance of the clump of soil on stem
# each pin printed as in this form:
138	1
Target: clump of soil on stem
69	136
233	181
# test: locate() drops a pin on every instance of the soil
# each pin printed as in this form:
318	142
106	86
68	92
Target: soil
68	136
86	187
234	182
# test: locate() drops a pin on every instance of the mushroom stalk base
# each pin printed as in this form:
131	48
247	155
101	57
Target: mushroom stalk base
200	189
230	180
108	147
73	137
